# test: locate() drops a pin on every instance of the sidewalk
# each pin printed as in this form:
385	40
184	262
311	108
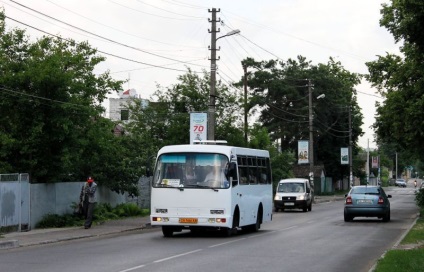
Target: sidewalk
54	235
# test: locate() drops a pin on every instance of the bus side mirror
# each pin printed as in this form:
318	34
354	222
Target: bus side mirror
231	171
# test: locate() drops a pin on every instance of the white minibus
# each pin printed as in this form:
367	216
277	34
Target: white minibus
208	186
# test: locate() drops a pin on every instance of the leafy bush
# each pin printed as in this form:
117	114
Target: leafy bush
102	212
59	221
419	198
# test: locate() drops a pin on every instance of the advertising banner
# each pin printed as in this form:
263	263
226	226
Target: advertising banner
303	154
344	155
198	126
374	163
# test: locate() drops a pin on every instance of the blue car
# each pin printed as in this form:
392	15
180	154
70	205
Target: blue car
367	201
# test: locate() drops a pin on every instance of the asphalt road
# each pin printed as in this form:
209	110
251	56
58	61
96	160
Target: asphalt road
294	241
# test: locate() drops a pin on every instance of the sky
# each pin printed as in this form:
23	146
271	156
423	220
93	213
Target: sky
151	42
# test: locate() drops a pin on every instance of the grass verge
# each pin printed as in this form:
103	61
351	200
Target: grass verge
410	255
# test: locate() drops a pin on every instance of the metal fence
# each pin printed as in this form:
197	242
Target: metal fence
23	205
15	201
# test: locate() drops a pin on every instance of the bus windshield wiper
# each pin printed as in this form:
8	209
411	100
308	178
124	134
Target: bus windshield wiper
200	186
170	186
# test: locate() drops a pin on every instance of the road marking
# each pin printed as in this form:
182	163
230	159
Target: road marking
226	243
197	250
290	228
176	256
262	234
133	268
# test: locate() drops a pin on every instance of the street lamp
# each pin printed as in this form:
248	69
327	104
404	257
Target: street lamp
311	133
232	32
212	95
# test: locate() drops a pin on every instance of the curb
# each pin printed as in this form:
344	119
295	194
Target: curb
15	243
9	244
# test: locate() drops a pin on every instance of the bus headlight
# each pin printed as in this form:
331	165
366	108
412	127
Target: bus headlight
160	219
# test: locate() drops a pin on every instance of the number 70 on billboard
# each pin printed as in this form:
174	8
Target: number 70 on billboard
198	126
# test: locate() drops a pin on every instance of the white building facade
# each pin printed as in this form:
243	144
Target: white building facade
118	110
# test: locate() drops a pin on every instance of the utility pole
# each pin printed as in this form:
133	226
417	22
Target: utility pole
213	59
350	149
368	161
245	103
396	166
311	132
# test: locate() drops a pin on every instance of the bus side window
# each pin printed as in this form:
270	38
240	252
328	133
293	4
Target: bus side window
243	175
252	176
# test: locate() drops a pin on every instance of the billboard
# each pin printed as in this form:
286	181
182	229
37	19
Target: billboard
302	151
344	155
198	126
374	162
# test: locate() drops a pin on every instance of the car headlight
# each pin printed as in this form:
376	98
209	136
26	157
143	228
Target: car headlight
300	197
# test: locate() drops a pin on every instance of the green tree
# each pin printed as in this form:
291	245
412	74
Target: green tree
281	90
166	121
50	112
400	79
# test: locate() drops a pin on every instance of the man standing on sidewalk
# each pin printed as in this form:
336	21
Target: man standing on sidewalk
88	199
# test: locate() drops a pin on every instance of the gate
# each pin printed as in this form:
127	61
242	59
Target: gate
15	201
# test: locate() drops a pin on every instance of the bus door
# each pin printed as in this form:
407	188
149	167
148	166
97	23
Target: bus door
241	195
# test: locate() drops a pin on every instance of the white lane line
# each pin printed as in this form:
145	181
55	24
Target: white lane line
226	243
262	234
132	268
290	227
176	256
194	251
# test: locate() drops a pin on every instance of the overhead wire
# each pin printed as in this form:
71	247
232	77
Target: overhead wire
182	4
10	92
190	16
262	26
100	51
99	36
151	14
203	66
120	30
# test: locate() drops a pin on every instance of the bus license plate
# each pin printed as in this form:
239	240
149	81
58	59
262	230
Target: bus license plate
188	220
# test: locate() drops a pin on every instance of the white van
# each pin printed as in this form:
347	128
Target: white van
294	193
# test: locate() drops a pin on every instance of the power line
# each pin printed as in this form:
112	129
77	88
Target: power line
100	51
170	11
182	4
261	47
119	30
151	14
16	93
99	36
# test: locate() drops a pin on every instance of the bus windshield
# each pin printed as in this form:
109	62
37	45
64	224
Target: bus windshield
191	170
